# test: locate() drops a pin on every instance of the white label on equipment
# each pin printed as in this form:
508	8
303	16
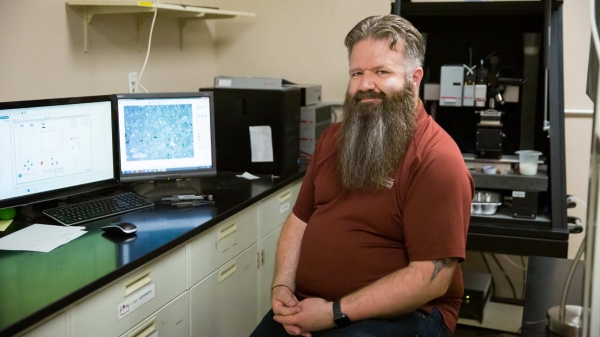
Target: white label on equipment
261	144
224	83
155	334
284	207
518	194
136	300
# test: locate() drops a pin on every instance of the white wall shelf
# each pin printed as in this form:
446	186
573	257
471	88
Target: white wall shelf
146	8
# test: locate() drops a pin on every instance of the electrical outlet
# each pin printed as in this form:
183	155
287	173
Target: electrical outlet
132	80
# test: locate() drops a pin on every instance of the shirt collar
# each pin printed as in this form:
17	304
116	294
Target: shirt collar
421	113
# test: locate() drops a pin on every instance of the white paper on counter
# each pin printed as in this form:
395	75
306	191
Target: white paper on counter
247	175
261	144
40	238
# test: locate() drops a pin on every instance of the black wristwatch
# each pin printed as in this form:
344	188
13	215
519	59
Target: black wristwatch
339	318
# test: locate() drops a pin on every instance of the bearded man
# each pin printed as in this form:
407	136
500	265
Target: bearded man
374	244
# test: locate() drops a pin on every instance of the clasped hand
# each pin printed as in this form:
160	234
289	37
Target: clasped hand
301	317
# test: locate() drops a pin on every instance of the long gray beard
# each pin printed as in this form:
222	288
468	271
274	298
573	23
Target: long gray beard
374	137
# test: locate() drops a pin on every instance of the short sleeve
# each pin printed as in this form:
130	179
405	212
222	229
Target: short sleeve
437	209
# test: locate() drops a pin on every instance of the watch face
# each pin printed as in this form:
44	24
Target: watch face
342	321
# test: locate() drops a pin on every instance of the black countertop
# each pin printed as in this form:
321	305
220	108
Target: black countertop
35	285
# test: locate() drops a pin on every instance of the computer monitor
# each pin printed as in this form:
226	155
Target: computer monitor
166	138
55	148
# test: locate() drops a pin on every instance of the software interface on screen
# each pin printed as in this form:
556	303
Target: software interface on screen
54	147
164	135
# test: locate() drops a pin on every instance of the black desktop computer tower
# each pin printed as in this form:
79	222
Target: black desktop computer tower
236	110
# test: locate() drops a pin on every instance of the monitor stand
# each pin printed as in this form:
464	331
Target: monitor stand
156	190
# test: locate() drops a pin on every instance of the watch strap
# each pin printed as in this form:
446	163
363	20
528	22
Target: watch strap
339	318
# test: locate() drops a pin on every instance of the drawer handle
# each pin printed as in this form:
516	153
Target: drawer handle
225	232
146	329
137	283
225	273
285	196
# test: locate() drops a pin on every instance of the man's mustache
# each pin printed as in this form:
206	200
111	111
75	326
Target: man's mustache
360	95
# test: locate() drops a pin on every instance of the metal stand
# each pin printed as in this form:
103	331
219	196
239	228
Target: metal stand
572	323
567	320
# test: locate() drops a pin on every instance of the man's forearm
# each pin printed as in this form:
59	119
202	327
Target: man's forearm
288	252
400	292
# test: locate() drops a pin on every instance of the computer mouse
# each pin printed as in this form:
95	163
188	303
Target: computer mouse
122	228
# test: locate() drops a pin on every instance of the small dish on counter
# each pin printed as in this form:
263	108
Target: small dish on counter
489	169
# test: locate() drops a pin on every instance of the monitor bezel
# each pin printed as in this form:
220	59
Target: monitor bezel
73	190
183	174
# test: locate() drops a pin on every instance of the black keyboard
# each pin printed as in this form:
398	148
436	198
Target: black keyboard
98	208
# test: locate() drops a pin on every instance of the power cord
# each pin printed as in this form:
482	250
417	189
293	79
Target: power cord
146	90
138	83
512	286
489	271
531	323
524	277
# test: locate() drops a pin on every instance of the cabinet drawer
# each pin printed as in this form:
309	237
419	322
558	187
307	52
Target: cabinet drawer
221	243
172	320
56	327
276	208
131	298
224	303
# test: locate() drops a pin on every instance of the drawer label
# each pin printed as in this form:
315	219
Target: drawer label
284	207
136	300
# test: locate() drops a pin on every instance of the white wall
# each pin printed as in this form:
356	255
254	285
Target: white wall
41	52
302	41
578	127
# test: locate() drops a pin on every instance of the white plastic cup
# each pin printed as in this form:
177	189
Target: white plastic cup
528	162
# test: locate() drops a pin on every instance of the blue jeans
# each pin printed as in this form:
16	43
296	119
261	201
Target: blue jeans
412	324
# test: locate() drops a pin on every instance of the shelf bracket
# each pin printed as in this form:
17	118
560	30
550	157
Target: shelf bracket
90	11
86	34
183	22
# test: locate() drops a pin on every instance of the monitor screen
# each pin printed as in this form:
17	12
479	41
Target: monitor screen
55	148
166	136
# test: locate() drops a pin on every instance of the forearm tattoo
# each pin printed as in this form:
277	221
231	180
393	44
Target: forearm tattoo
439	265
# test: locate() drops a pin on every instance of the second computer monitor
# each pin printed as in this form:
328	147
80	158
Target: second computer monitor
165	137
